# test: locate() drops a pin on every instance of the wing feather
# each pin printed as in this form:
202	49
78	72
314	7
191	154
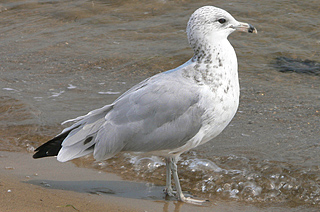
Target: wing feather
156	116
162	112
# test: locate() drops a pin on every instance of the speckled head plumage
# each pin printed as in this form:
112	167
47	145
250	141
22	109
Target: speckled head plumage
210	24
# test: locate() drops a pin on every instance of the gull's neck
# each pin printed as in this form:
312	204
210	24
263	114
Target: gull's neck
213	63
216	53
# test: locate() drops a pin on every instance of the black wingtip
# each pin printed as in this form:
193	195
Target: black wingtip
52	147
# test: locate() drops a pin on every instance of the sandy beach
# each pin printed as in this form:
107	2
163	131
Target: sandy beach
47	185
25	186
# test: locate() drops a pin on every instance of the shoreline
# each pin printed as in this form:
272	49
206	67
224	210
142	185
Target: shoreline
25	186
48	185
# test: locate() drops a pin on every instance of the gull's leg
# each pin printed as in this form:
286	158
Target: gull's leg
180	195
168	190
174	169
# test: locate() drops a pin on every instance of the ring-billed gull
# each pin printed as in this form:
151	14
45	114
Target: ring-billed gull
169	113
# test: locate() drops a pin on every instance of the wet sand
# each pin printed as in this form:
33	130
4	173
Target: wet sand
35	185
24	186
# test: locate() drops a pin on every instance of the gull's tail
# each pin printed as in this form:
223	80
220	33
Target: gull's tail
77	140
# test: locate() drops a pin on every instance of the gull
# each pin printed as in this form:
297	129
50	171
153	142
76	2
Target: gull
168	113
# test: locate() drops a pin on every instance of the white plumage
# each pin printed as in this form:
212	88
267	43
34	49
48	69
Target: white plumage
169	113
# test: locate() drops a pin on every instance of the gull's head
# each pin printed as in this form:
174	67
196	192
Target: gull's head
210	23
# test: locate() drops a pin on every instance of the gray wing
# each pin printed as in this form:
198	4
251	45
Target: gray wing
160	113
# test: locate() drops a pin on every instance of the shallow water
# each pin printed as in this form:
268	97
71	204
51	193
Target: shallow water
60	59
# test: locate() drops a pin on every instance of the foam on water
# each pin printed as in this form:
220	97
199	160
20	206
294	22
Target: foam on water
145	164
228	177
109	92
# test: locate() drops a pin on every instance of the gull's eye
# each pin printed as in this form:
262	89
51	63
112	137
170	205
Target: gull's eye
222	20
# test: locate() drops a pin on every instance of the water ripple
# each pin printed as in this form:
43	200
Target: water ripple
228	177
